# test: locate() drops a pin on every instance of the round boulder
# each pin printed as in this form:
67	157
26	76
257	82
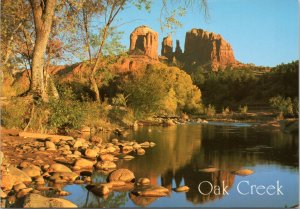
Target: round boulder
83	163
106	157
122	174
243	172
56	167
182	189
143	181
90	153
141	151
106	165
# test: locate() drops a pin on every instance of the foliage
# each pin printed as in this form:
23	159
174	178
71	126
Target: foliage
122	116
162	89
243	109
16	114
210	110
226	111
296	106
119	100
284	106
247	84
65	114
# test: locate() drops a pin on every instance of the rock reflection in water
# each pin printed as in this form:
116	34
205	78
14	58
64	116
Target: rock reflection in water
181	151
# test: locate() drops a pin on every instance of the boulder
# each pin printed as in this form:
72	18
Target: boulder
98	189
39	201
127	157
68	176
122	174
127	149
40	180
1	157
23	192
143	181
50	145
84	164
117	183
142	200
151	191
209	170
12	176
141	151
79	143
115	141
182	189
2	194
243	172
43	136
106	157
106	165
90	153
85	129
56	167
111	149
145	144
136	146
32	171
19	186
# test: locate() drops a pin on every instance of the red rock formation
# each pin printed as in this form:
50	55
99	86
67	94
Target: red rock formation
167	47
203	47
144	41
178	51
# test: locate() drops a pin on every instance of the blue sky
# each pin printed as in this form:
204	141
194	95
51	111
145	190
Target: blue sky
263	32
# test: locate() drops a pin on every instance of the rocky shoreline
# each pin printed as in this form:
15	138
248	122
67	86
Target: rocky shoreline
45	163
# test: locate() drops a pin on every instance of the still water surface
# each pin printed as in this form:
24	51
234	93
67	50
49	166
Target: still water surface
181	151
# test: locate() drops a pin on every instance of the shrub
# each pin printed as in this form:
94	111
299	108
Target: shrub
65	114
210	110
243	109
162	90
283	106
296	106
119	100
96	114
16	114
226	111
122	116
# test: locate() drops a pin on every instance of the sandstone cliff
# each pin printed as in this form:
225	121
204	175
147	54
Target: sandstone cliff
203	47
144	41
167	47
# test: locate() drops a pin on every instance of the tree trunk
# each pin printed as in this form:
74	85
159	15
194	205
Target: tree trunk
43	13
94	84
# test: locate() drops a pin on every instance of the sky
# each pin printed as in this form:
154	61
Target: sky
262	32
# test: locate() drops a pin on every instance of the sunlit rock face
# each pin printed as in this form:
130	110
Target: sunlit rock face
167	47
144	41
203	47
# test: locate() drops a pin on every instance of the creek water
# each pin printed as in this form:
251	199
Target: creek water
182	151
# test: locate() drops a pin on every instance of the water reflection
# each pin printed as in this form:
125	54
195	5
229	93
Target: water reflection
181	151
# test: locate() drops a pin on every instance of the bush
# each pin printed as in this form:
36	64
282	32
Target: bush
243	109
296	106
95	114
16	114
283	106
162	90
210	110
65	114
122	116
119	100
226	111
